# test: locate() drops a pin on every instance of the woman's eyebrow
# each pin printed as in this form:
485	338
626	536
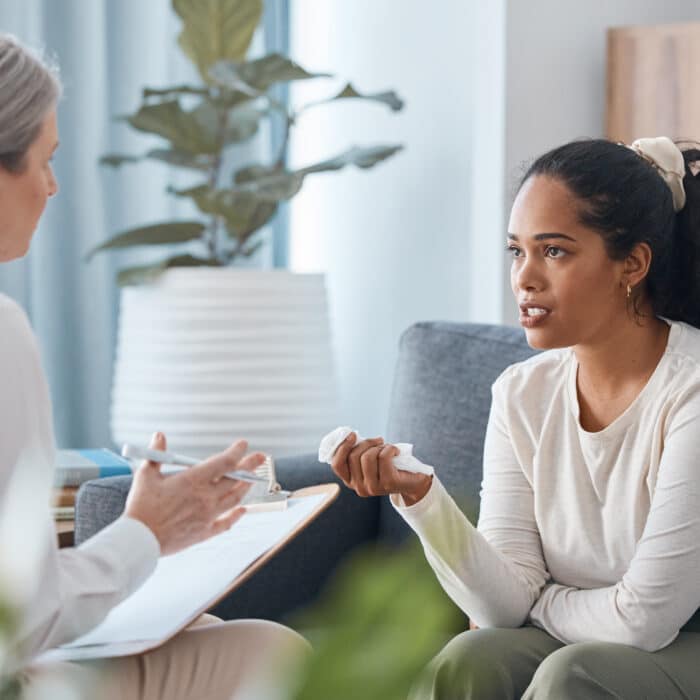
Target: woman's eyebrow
545	237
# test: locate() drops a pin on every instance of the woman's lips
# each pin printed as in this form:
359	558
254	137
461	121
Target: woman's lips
532	316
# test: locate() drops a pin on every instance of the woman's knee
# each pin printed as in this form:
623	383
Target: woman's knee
574	671
471	665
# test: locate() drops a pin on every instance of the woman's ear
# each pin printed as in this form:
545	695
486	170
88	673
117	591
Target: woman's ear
637	264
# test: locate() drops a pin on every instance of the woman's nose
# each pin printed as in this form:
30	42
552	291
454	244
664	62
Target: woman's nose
528	276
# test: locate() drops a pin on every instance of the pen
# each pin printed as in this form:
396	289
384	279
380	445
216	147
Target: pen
134	452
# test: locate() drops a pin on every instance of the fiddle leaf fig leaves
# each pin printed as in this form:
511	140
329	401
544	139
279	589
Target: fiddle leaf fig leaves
200	124
156	234
390	98
261	73
216	30
366	157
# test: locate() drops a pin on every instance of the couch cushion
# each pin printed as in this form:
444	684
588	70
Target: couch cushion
441	399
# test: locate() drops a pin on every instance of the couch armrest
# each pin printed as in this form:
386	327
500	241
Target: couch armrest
292	578
99	503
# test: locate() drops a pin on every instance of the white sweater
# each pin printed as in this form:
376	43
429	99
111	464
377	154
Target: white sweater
589	536
76	587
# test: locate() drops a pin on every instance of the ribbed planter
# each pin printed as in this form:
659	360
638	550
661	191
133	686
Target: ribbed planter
209	355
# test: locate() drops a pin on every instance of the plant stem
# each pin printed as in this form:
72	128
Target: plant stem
281	157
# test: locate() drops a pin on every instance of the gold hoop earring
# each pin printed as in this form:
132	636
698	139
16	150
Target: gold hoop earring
629	291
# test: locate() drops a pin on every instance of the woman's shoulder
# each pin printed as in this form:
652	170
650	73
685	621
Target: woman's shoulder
14	324
545	369
10	309
685	344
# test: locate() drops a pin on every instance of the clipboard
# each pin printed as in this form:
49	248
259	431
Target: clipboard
310	502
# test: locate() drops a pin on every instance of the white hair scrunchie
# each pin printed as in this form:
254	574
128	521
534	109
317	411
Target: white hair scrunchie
668	161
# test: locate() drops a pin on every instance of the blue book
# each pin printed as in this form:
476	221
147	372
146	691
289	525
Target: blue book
74	467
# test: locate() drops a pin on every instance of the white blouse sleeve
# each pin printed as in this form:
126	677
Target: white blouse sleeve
495	573
75	588
660	590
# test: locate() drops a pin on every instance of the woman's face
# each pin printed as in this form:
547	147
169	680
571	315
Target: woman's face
23	195
567	288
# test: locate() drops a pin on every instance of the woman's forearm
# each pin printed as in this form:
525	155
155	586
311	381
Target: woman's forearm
488	586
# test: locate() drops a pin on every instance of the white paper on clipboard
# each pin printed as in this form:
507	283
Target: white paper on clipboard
187	583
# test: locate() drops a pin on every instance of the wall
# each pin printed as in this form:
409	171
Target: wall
393	241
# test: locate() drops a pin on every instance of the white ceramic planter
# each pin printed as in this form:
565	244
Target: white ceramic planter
209	355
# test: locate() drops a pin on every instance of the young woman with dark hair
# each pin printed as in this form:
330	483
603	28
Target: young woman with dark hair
584	572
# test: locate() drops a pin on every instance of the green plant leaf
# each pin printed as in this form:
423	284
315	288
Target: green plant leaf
181	158
148	273
269	184
383	617
217	30
114	160
243	212
273	184
175	91
242	124
156	234
192	132
261	73
362	157
390	99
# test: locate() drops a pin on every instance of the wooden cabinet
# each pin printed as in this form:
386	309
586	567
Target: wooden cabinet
653	82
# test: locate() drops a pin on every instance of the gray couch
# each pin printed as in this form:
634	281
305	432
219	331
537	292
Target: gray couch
440	402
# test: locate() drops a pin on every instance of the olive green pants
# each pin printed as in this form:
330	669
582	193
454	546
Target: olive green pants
527	663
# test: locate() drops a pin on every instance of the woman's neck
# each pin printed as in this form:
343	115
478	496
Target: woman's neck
612	372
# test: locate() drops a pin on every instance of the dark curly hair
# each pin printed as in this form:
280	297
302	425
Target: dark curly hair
625	200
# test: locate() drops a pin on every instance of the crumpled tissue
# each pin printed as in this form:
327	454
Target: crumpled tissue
405	461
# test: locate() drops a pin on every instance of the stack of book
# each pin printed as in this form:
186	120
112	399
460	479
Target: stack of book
75	467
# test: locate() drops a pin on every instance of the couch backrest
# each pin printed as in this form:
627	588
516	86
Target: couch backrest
441	399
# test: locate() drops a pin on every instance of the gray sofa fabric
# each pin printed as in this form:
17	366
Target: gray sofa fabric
440	402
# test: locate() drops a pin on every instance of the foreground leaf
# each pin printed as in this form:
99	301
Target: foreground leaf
217	30
375	628
156	234
148	273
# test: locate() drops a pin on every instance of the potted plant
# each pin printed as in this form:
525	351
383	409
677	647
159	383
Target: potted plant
223	350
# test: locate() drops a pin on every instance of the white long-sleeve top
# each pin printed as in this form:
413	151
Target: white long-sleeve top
589	536
76	587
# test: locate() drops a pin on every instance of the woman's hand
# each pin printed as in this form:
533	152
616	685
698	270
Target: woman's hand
367	469
188	507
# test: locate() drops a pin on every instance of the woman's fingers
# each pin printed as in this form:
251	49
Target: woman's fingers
339	463
387	470
225	522
356	475
215	467
232	495
370	470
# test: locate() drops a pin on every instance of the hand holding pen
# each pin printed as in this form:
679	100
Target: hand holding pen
190	506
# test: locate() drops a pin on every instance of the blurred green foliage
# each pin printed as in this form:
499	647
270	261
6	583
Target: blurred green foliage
380	621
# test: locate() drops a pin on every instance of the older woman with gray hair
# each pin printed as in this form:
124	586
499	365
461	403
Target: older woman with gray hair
78	587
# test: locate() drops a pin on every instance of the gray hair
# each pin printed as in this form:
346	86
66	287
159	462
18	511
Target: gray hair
29	89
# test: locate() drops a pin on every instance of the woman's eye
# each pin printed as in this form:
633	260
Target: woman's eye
554	252
514	251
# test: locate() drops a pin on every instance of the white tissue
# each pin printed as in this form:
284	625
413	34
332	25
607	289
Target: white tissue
405	461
